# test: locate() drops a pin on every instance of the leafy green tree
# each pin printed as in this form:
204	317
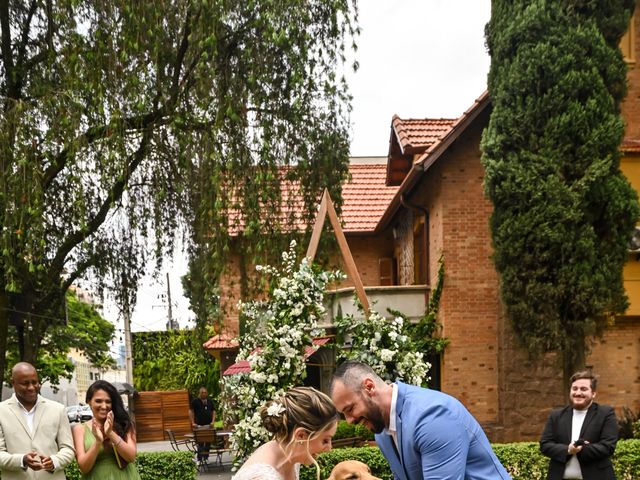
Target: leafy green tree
174	360
85	330
563	211
124	123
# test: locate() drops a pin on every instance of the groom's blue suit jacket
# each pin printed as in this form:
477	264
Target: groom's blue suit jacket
438	439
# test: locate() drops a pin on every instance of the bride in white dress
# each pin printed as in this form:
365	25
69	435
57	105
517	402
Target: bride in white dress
302	422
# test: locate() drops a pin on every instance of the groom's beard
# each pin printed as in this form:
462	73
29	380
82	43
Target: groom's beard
374	416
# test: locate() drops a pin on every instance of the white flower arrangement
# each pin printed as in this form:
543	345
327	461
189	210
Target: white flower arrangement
389	350
278	330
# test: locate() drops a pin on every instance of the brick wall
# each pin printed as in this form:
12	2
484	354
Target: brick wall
230	294
529	389
510	394
631	105
469	305
616	359
366	251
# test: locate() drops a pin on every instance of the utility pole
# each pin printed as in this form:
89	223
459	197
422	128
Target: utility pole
171	325
128	358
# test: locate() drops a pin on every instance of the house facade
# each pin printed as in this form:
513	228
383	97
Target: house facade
426	201
441	187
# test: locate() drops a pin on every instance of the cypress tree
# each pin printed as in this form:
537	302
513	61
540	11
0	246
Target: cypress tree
563	211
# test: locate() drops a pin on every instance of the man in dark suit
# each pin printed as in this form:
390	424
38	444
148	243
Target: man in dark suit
581	437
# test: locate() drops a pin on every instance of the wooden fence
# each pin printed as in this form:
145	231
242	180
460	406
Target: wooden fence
156	412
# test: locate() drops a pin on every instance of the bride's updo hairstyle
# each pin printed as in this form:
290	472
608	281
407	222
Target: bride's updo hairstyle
303	407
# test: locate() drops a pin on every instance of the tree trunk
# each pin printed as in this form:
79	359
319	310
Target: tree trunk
28	328
4	332
31	341
573	361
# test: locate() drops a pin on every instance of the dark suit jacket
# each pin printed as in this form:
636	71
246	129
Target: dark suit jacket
600	428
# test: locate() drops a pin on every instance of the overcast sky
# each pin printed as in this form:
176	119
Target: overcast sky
418	59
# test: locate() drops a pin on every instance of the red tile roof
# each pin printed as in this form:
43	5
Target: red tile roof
239	367
365	194
365	197
432	153
222	341
414	135
457	127
411	137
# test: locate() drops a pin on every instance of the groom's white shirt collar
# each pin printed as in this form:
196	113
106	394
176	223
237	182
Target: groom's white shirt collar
391	430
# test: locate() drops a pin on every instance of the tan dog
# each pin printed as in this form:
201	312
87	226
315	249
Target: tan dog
351	470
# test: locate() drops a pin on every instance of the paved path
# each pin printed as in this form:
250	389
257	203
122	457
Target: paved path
216	473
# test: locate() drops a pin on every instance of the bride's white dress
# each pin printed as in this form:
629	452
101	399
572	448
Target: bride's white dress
260	471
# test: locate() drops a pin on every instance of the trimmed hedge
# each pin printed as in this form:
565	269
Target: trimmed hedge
348	430
522	460
155	466
369	455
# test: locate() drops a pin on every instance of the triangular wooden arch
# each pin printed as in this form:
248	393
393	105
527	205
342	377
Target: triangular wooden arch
326	207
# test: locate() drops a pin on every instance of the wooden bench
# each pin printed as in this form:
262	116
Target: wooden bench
348	442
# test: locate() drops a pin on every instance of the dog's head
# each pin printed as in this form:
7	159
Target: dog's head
351	470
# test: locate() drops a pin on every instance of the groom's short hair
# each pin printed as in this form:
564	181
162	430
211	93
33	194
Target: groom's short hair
351	374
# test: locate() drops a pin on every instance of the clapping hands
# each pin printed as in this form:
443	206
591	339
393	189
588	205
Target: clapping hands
97	431
108	425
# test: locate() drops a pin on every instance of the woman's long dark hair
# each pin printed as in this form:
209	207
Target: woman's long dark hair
122	423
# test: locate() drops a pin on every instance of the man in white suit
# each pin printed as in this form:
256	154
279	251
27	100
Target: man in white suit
35	436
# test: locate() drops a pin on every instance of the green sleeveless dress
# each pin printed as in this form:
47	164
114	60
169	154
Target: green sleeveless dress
106	466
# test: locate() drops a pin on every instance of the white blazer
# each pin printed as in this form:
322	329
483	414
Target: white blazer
51	436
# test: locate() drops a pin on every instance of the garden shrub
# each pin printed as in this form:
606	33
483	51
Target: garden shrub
369	455
348	430
626	460
155	466
629	424
522	460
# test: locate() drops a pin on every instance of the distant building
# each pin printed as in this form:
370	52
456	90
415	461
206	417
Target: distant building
120	359
64	393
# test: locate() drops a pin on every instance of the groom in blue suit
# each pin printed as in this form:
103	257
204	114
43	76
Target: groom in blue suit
423	434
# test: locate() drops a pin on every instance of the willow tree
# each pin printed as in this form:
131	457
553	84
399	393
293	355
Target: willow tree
85	330
563	211
126	122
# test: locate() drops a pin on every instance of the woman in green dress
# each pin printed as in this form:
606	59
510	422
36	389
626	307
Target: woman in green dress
106	445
